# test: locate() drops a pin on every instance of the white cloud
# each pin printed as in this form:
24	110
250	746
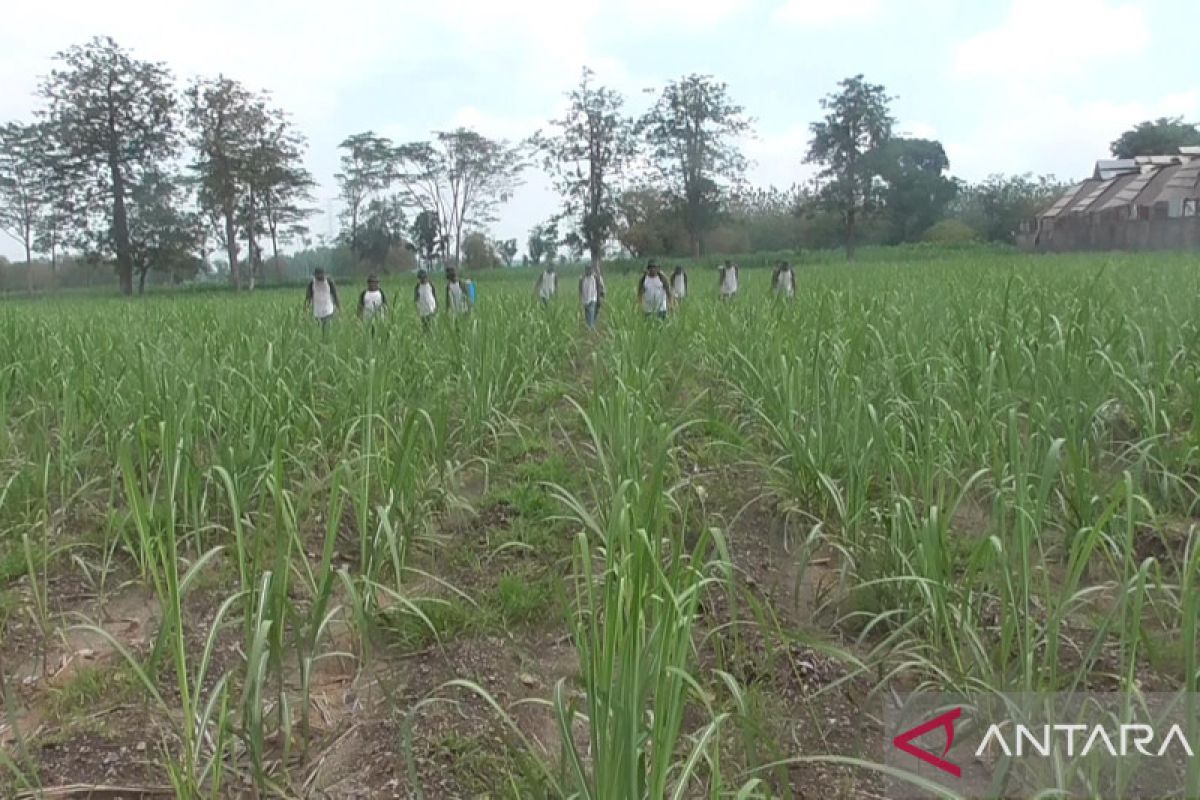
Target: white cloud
1052	38
778	156
1044	133
917	130
677	14
825	12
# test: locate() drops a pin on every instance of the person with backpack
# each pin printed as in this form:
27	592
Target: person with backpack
547	285
425	299
321	296
654	292
728	280
458	300
679	284
783	281
591	294
372	303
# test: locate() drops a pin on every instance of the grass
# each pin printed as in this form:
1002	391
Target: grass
93	689
996	456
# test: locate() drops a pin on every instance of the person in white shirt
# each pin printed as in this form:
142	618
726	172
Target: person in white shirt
591	294
654	292
458	301
783	281
372	303
547	285
728	280
425	298
679	284
322	298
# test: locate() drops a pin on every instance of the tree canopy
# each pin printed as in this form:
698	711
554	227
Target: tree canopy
113	118
588	156
845	144
692	133
1161	137
460	176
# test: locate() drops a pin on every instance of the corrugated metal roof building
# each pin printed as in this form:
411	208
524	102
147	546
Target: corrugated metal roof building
1148	202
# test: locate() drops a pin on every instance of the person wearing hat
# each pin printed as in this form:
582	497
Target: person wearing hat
321	296
783	281
679	282
547	285
372	302
458	301
591	294
425	299
728	280
654	292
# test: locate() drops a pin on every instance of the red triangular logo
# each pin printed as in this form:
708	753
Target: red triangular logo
905	741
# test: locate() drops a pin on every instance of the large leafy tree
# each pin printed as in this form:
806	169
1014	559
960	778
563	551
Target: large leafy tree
224	119
367	170
162	235
770	217
249	169
57	222
382	227
460	176
427	237
286	187
651	222
507	250
276	182
996	206
113	118
857	123
916	190
543	242
1161	137
588	154
478	251
23	188
692	132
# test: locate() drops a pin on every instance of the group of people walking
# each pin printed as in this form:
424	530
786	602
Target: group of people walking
322	297
656	293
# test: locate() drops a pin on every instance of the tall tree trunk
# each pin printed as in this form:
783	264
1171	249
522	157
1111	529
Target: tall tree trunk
142	282
121	226
851	216
695	244
275	253
458	237
252	242
231	250
597	256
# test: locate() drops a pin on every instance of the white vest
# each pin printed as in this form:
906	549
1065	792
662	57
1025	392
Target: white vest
588	292
458	298
322	301
787	283
729	283
654	297
549	285
372	302
426	302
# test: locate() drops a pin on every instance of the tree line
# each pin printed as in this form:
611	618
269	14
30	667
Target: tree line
102	170
121	167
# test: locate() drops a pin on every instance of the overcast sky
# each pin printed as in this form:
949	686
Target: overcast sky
1006	85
